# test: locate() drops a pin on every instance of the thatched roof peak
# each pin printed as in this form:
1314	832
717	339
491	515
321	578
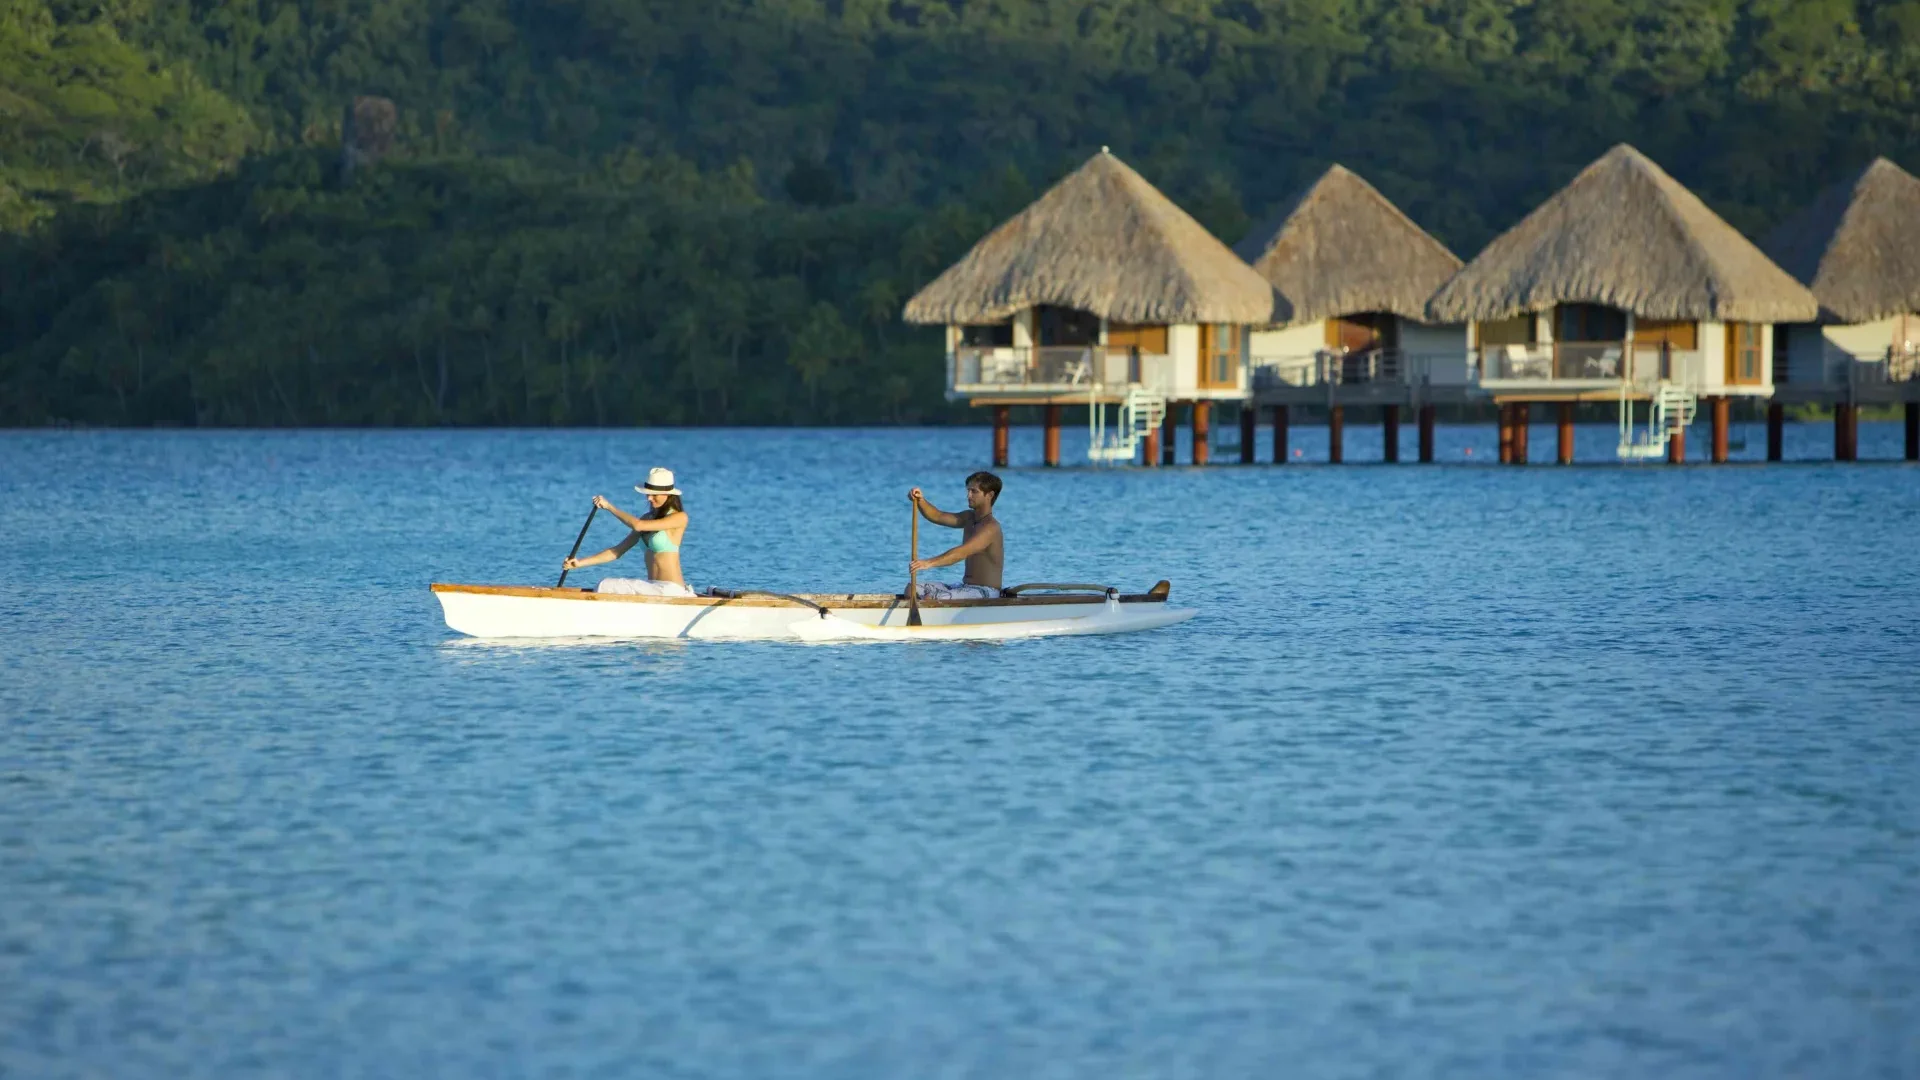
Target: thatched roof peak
1857	245
1340	247
1625	234
1105	241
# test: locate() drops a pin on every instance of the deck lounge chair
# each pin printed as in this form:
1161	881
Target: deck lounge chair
1080	369
998	370
1604	366
1522	364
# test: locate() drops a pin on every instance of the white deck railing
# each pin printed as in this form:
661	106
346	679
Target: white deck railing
1590	361
985	369
1839	367
1333	367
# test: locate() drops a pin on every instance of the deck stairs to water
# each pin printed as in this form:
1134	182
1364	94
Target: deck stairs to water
1672	408
1141	411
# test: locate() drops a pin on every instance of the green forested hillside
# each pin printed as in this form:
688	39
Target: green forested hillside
631	211
86	114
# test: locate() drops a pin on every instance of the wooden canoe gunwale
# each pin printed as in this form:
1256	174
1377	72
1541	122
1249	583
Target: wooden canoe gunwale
826	600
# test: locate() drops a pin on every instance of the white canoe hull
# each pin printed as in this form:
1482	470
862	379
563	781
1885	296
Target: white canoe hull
1109	619
496	611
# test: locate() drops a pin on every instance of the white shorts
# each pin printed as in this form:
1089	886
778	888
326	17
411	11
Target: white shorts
632	586
935	590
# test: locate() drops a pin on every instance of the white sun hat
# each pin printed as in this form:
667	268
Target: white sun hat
659	482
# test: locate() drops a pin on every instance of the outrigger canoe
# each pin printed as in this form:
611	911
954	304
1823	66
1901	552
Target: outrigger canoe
1038	610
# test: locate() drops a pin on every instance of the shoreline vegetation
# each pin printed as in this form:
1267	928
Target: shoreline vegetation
640	212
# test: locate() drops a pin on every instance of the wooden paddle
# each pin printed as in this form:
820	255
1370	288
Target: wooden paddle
913	576
576	544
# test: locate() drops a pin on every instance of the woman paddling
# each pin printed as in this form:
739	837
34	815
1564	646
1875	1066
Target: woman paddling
663	530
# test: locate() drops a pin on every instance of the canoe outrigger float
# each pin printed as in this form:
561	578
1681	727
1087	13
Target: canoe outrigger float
1036	610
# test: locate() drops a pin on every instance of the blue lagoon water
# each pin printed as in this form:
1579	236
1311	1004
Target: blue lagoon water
1462	771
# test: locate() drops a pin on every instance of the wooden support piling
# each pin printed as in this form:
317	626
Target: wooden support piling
1336	430
1677	445
1169	430
1390	433
1853	431
1520	422
1248	417
1913	431
1001	422
1426	434
1052	445
1202	428
1279	434
1776	428
1720	409
1845	417
1566	433
1151	457
1506	434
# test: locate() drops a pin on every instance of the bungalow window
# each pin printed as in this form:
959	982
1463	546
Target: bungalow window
988	335
1066	326
1219	356
1743	353
1590	322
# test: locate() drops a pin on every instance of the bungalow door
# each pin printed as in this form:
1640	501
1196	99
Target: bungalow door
1655	341
1743	354
1132	341
1677	336
1357	337
1361	332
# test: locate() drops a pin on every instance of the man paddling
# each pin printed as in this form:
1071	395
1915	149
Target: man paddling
981	544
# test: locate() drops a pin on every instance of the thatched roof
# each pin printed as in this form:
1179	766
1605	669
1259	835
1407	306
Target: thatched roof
1627	235
1103	241
1857	245
1342	248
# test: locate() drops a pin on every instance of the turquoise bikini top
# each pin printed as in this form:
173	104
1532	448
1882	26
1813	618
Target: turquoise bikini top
660	543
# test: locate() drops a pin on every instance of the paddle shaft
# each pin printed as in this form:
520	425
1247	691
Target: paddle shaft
913	576
576	544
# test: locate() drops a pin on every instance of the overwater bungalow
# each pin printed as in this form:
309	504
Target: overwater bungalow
1351	276
1623	286
1857	247
1101	293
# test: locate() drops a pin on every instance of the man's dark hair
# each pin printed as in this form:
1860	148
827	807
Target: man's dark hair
986	482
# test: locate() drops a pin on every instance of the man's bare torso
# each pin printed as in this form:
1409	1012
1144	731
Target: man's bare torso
986	567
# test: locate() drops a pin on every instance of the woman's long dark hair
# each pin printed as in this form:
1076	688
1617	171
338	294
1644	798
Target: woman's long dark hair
671	506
